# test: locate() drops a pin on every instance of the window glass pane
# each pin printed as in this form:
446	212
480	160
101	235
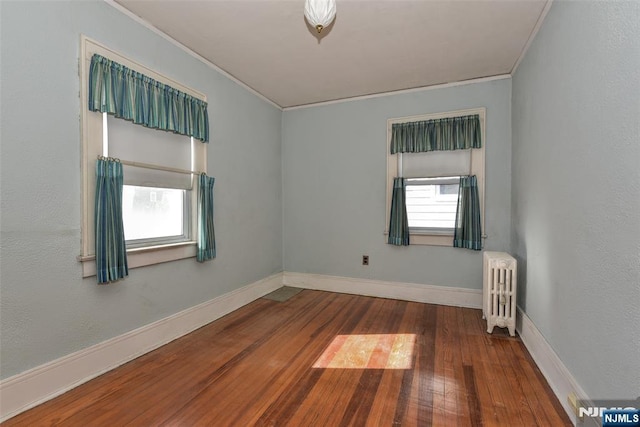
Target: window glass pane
445	189
150	212
431	205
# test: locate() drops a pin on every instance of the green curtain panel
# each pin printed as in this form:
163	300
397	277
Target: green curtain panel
468	233
111	251
118	90
451	133
206	234
399	222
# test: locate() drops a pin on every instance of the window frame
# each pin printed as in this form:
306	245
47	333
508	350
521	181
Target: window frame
394	163
91	132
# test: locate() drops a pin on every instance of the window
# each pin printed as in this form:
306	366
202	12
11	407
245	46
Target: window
431	183
154	215
156	204
431	204
159	211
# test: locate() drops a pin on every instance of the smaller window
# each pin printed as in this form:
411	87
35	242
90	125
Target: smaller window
431	182
431	204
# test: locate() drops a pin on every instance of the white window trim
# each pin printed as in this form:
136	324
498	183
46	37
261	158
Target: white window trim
477	161
91	139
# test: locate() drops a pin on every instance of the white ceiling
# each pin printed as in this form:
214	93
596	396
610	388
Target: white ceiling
372	46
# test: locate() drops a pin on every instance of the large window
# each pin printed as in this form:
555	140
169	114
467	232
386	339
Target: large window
431	183
159	201
156	203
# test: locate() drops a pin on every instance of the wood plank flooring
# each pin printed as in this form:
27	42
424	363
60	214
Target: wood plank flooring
253	367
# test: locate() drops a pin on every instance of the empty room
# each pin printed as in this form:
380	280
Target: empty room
320	213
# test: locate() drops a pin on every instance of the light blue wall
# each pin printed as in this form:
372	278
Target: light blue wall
576	191
47	309
334	180
576	115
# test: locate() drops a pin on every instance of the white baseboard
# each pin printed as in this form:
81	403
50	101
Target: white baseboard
556	373
459	297
30	388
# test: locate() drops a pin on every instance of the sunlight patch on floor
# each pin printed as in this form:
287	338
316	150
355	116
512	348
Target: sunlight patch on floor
382	351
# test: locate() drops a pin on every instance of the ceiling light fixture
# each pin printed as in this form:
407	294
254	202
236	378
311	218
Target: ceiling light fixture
320	13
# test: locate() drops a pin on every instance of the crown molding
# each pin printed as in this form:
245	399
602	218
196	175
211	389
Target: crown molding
532	36
402	91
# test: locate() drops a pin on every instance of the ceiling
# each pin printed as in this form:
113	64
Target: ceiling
372	46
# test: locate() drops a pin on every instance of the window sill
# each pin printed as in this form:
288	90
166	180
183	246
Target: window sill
431	239
140	257
428	239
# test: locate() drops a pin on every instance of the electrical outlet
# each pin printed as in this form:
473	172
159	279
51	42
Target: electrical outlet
365	259
573	402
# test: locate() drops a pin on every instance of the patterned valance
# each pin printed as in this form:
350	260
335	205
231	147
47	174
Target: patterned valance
451	133
118	90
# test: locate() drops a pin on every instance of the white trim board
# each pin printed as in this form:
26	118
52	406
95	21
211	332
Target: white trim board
556	373
35	386
400	91
459	297
532	36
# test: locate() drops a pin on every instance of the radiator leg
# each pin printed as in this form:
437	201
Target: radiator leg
490	329
512	330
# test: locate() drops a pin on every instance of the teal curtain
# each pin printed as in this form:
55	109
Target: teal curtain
118	90
398	223
111	251
452	133
206	234
468	233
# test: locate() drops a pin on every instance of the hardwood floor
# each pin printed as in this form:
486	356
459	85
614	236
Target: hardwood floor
255	367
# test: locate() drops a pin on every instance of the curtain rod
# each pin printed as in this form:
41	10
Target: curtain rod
154	167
